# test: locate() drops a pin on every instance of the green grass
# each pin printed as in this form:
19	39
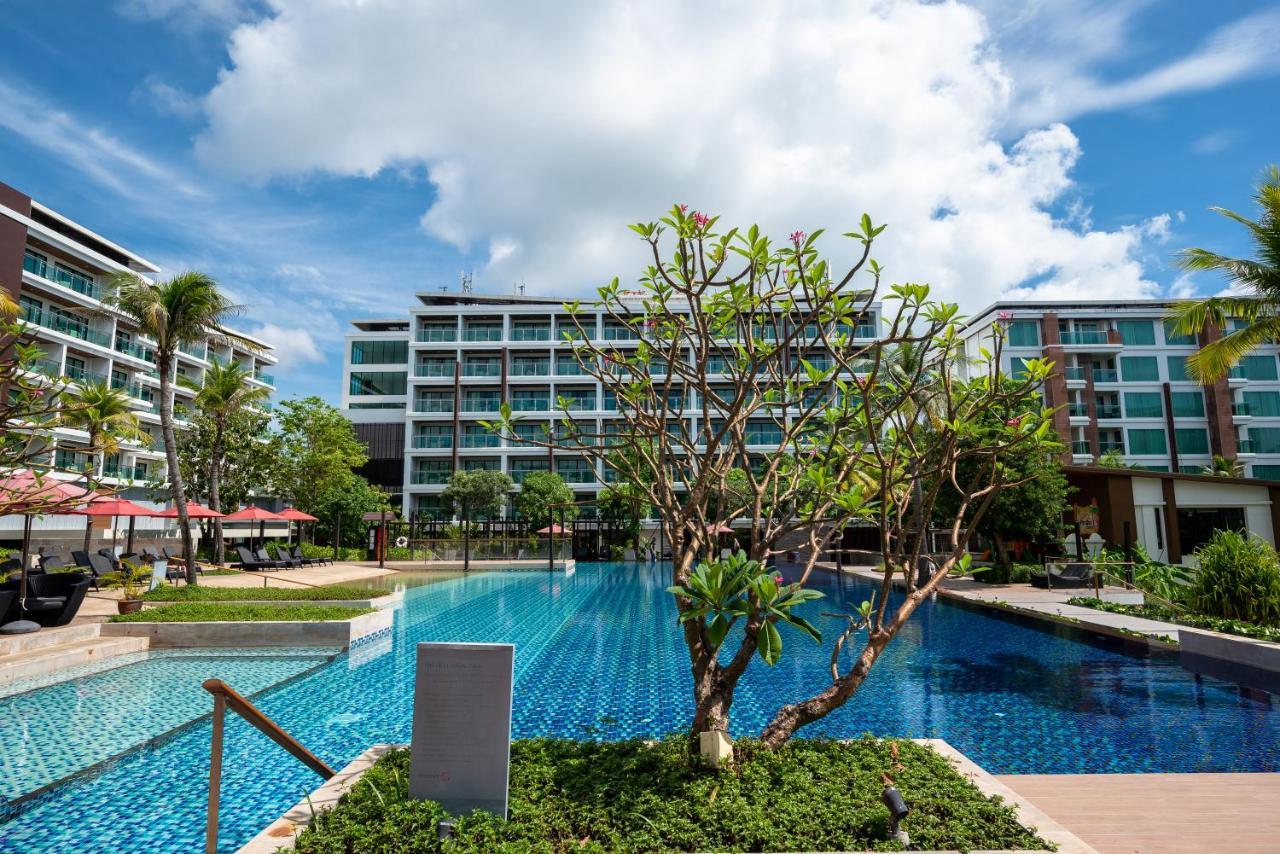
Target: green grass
1196	621
216	572
215	612
570	796
201	593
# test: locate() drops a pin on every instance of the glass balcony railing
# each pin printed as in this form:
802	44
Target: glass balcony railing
1106	375
530	404
1073	372
1245	446
73	326
430	478
437	333
763	437
481	440
125	472
531	333
47	367
133	389
1105	447
576	475
1237	373
1083	336
530	368
482	333
138	351
439	441
569	369
68	278
199	351
83	375
1081	449
481	404
263	377
565	332
432	405
576	404
1241	409
1108	410
518	475
1078	410
72	460
620	333
433	369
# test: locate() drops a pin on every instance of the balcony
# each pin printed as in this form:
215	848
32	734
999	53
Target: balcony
1108	411
441	368
428	442
137	351
198	351
72	460
76	328
576	404
82	376
429	478
531	333
1074	372
570	369
620	333
482	404
47	367
482	333
78	282
125	472
518	475
577	475
1237	376
437	333
530	368
1078	410
763	437
1083	337
268	379
133	389
432	405
1081	449
1106	447
1241	409
1244	447
530	404
485	439
1106	375
482	369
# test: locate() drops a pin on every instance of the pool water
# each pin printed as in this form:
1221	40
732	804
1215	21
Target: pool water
598	656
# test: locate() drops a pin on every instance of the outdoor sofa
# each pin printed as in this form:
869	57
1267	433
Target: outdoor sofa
1074	574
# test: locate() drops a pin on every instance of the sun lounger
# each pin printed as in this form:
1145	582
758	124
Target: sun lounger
249	562
1075	574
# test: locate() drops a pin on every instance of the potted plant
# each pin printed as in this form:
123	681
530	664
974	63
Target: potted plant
133	579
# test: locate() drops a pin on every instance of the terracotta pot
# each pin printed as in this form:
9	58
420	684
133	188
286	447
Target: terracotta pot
129	606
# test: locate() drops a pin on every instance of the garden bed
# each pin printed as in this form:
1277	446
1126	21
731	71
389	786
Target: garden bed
339	595
231	624
631	796
1195	621
219	612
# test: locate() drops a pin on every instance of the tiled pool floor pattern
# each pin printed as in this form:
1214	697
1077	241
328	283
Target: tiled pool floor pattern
598	656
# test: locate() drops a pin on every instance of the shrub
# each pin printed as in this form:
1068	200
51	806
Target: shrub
1238	579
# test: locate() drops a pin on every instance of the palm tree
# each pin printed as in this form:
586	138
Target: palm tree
184	310
1224	467
107	416
224	392
1256	286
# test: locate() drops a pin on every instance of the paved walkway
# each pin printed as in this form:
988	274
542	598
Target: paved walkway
1161	813
100	605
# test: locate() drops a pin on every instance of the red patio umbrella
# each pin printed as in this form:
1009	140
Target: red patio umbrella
115	506
293	514
553	529
31	494
719	528
254	513
194	511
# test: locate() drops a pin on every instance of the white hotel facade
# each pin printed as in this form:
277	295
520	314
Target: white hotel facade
417	389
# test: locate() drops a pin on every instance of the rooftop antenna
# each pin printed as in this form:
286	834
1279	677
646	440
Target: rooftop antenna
466	282
521	287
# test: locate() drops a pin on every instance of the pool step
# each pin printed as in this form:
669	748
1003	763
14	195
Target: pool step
13	644
64	652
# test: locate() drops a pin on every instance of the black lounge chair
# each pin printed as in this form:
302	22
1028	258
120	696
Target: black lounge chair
80	558
51	563
1073	575
53	598
282	554
251	563
8	602
151	554
99	566
318	561
170	553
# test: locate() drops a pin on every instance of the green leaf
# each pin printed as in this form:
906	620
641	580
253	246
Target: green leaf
769	643
716	630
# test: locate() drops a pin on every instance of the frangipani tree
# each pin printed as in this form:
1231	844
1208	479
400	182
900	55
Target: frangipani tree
752	357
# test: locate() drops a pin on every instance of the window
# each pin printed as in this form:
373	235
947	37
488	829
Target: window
382	405
476	366
429	507
434	368
476	436
431	471
1017	367
1147	442
1137	333
530	366
438	332
1192	440
1196	525
482	332
433	401
520	468
1172	338
1262	403
1258	367
377	382
1143	404
433	436
482	465
1187	404
530	331
379	352
1266	472
1178	369
480	401
1024	333
1265	440
532	432
575	470
1139	369
529	400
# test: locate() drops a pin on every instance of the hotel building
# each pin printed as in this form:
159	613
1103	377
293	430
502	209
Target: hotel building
55	269
1122	387
417	389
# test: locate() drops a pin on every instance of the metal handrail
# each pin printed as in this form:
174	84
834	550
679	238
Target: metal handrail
224	697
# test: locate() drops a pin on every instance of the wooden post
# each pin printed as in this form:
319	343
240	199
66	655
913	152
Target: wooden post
215	775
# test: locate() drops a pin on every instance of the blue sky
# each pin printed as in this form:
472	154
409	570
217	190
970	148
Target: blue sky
324	160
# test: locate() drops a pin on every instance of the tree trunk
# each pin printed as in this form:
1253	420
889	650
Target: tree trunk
88	520
215	468
164	363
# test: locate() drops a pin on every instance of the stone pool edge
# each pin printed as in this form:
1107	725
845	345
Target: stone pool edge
282	833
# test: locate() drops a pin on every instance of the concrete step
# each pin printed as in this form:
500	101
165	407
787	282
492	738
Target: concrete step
51	659
14	644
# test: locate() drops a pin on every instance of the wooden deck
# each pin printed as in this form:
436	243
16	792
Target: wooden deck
1161	813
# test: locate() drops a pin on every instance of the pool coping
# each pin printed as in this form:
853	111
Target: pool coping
392	599
266	633
282	833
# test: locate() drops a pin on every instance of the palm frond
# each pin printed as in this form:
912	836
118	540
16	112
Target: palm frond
1216	358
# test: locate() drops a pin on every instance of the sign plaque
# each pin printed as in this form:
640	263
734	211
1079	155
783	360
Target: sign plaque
461	749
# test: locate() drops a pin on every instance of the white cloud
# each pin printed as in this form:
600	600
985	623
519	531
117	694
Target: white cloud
544	132
168	100
293	346
189	14
1214	143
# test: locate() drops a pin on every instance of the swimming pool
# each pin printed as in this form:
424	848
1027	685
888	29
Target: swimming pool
597	656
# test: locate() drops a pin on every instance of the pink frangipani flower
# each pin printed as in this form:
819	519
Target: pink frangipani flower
778	578
1014	422
1005	315
797	238
700	219
684	208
